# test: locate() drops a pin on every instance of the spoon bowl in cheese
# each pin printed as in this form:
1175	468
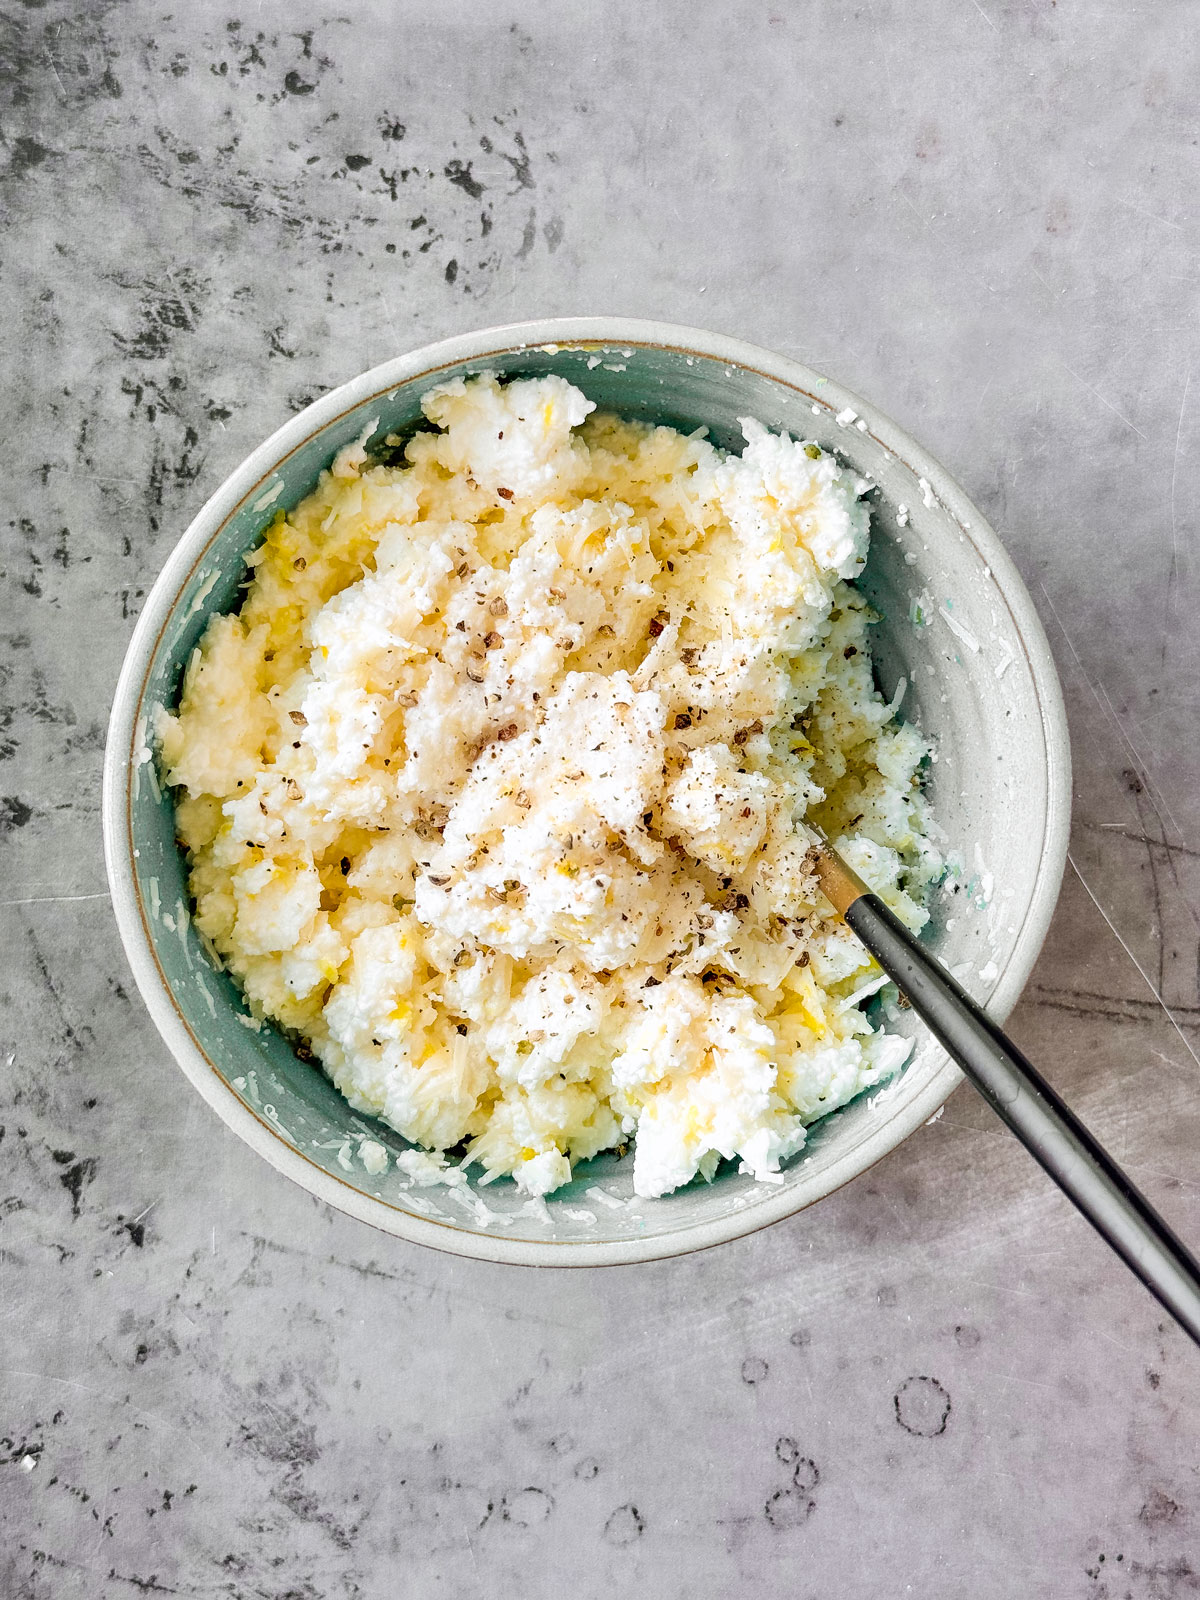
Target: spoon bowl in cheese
525	882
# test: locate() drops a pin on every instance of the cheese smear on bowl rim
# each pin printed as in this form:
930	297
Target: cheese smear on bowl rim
494	790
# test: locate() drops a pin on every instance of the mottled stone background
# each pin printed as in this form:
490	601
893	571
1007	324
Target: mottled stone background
982	214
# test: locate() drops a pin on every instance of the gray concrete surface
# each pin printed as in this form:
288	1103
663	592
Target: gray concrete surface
982	214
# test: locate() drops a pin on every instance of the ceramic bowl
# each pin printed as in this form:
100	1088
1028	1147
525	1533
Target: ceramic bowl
957	624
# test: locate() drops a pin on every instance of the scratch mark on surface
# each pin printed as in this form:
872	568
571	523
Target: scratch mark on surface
1021	1379
54	899
474	1562
1106	403
1143	769
387	311
1173	571
62	88
985	16
1159	924
1106	705
1170	1015
1153	215
896	189
1116	1008
987	1283
1142	1170
1167	1060
1129	1349
1139	836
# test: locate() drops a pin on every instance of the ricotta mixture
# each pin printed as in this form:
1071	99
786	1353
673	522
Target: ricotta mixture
494	790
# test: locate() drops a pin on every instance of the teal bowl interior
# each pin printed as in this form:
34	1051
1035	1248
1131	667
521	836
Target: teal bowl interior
956	623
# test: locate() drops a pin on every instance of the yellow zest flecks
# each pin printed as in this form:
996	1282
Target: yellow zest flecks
494	787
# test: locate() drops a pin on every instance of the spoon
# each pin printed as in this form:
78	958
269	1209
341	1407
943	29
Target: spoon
1017	1092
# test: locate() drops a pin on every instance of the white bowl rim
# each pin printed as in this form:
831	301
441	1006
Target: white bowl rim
501	342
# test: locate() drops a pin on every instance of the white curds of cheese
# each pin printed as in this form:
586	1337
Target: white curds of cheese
495	790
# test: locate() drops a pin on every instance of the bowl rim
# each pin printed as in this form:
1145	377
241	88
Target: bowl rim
503	342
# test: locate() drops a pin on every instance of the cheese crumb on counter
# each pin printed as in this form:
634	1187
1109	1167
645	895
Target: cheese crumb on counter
495	791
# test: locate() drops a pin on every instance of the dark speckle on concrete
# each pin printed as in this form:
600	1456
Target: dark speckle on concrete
806	1474
459	174
278	1434
922	1407
625	1526
526	1508
788	1508
14	812
76	1179
1159	1508
24	155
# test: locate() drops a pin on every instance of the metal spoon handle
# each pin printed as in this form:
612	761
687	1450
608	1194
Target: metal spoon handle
1017	1092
